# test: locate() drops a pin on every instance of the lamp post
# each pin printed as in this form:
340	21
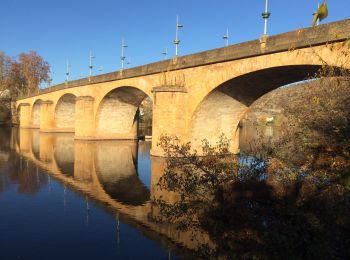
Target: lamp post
67	70
226	37
90	65
177	41
165	53
265	16
123	56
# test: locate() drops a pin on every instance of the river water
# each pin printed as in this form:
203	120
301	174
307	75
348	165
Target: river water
62	198
65	199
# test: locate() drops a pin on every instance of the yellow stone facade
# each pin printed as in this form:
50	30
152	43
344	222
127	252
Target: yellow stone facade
192	103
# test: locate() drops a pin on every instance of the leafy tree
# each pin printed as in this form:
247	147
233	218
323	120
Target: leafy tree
5	63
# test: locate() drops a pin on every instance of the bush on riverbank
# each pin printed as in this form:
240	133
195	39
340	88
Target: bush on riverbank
289	198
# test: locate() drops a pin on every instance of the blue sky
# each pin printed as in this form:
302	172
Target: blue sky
61	30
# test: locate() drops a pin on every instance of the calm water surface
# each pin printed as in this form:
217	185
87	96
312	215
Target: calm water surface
65	199
62	198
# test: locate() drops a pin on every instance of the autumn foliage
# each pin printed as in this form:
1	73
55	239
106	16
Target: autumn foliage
23	75
287	198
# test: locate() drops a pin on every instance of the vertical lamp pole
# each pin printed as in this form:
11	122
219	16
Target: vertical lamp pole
165	53
90	65
123	56
67	71
226	37
177	41
265	16
318	20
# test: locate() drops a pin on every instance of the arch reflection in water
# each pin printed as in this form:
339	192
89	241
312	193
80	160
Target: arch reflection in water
112	165
36	143
64	153
116	168
106	172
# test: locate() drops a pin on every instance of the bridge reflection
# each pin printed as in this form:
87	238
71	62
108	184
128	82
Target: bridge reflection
110	165
116	168
105	172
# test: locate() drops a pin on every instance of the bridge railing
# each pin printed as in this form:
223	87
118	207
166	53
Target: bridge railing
298	39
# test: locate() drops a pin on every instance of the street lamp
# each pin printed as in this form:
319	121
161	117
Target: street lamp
67	70
177	41
165	53
123	57
90	65
226	37
265	16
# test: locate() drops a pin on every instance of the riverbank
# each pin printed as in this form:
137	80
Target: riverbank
275	107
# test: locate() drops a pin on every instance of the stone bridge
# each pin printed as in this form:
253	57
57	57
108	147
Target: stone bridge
194	97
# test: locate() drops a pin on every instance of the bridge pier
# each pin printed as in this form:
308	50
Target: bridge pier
46	147
47	116
169	115
84	118
25	115
84	160
25	143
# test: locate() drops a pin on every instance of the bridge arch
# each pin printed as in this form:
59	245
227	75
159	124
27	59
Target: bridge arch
221	110
65	113
118	113
36	113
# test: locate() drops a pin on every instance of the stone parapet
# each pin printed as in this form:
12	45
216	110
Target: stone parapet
298	39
